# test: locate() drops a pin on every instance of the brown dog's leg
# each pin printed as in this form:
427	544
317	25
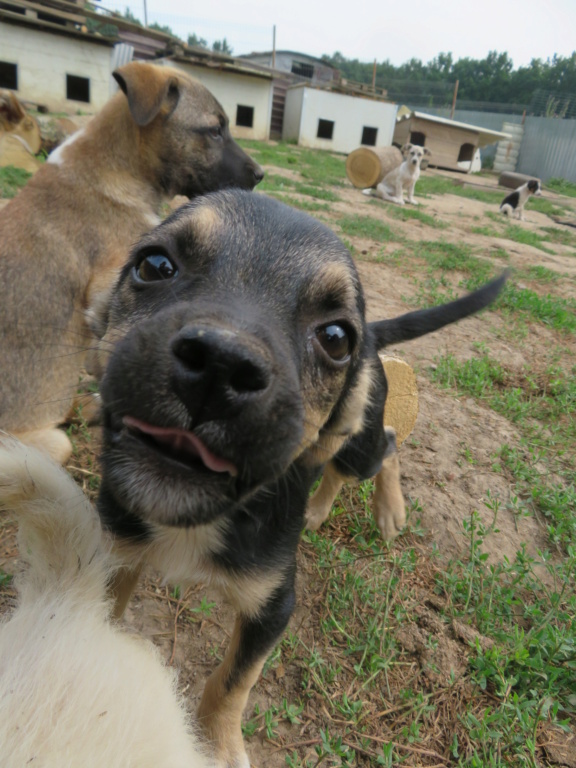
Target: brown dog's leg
389	507
320	503
121	588
50	440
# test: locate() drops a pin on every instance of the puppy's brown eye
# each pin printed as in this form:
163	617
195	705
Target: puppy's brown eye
154	267
335	341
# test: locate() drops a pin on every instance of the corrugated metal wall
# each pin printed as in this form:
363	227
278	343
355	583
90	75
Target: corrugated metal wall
548	149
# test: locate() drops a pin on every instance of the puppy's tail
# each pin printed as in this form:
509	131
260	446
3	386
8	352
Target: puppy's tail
415	324
60	535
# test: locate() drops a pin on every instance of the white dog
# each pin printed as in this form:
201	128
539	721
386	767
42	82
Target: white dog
75	690
404	177
514	202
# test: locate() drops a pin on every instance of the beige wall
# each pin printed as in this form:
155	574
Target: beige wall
306	106
232	89
44	60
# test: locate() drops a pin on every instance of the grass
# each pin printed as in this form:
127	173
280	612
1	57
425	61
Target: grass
406	213
562	187
366	226
12	180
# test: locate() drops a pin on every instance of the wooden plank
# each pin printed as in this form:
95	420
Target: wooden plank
74	17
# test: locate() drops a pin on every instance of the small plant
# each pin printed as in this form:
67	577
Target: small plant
12	180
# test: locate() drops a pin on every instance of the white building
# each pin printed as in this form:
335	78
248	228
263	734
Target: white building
59	67
327	119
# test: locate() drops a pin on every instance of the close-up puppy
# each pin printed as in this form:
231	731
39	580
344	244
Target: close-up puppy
404	177
66	234
513	204
76	690
238	363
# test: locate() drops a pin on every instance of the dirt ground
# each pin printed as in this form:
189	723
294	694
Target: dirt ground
447	489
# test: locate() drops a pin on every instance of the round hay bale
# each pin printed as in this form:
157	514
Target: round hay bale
367	166
401	408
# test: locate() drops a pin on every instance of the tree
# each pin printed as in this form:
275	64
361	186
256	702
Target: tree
222	46
198	42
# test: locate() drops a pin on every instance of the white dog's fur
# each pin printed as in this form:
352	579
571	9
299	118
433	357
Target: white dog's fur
404	177
75	690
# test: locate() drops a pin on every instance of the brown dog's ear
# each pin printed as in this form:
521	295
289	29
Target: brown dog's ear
406	148
11	111
147	89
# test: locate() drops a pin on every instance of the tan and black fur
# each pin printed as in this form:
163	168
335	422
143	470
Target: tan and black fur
65	236
238	364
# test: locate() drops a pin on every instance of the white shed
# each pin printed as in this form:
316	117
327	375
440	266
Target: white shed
54	65
328	119
245	93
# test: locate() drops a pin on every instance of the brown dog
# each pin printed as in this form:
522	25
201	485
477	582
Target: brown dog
65	235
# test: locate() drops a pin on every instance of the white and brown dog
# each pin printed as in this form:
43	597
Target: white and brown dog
404	177
514	202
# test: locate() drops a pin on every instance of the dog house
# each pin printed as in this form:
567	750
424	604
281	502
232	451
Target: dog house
322	118
453	145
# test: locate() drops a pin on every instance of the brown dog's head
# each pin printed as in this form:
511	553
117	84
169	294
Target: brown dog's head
185	135
236	343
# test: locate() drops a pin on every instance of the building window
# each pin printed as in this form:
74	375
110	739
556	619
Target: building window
8	75
325	129
369	136
78	88
303	70
245	116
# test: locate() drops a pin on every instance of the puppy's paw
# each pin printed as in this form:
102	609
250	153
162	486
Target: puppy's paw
413	201
391	519
317	512
367	191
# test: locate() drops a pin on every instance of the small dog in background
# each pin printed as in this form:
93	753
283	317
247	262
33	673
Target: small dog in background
75	689
404	177
514	202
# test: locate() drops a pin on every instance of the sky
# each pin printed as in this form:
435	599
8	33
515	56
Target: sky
372	29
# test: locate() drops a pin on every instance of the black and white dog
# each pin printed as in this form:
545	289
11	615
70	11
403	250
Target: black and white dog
514	202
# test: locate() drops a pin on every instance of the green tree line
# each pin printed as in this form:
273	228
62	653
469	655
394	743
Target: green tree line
492	79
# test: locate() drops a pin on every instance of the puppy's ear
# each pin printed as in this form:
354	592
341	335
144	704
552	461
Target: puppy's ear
427	151
11	111
148	89
406	148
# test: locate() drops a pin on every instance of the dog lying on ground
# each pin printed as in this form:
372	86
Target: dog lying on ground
64	237
404	177
514	202
238	364
75	690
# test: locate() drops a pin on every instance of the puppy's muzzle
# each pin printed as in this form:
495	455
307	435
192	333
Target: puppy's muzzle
217	373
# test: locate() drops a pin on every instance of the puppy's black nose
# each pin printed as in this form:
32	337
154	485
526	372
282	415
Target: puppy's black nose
258	174
217	372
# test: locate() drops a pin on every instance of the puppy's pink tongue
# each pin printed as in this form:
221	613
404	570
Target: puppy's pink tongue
182	441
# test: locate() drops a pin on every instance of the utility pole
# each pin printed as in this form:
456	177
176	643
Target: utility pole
145	14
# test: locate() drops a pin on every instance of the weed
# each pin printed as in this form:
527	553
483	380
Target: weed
562	186
540	273
404	213
555	235
366	226
305	205
12	180
518	234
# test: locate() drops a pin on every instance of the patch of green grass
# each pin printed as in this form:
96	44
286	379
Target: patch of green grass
315	166
276	183
518	234
548	207
562	186
405	213
12	180
449	257
318	192
305	205
563	236
442	185
553	311
486	231
540	273
366	226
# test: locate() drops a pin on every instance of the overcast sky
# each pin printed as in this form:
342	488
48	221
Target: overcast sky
373	29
